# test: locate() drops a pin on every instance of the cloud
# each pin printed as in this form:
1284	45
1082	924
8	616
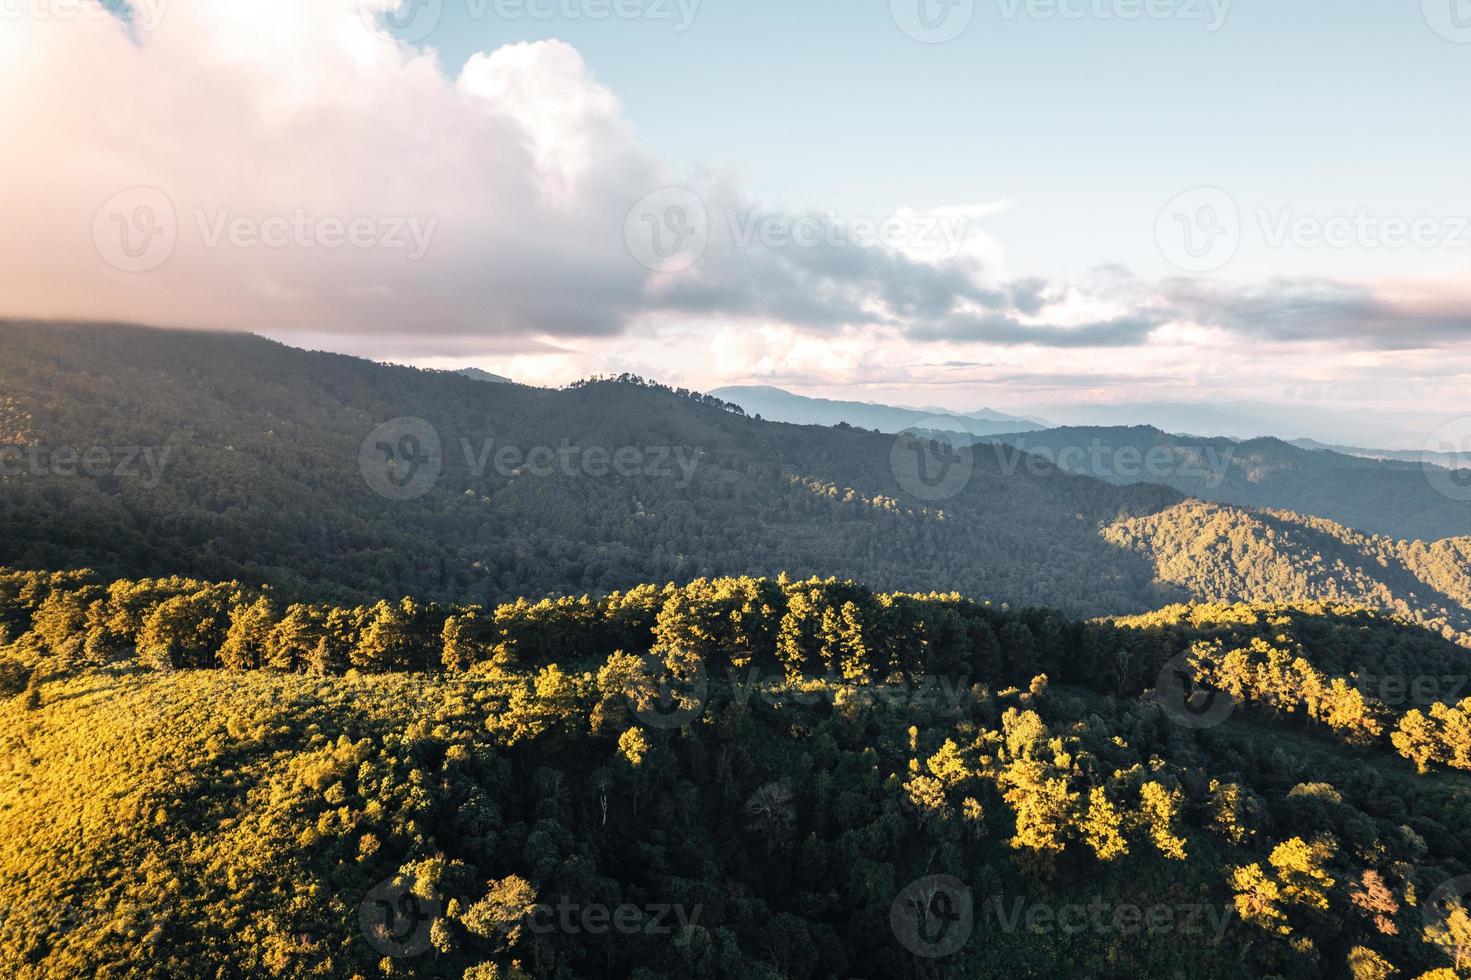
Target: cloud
512	186
278	116
1354	315
1000	329
183	175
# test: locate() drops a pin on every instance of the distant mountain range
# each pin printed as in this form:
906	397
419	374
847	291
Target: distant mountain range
1380	496
1250	420
1444	460
233	457
777	405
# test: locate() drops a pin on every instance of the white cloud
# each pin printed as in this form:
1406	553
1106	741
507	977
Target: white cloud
284	111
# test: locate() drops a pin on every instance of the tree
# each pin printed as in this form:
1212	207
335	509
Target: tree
502	913
1102	827
460	648
1299	870
1365	964
248	640
1372	897
1452	933
1257	899
1159	809
1416	739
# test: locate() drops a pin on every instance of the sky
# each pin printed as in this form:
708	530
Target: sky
1021	204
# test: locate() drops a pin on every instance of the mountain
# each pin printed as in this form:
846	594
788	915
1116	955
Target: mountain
1399	499
232	457
1444	460
280	695
226	456
783	406
1250	419
475	374
1224	554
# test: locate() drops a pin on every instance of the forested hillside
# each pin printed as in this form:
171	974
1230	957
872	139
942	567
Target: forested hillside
1221	553
263	481
233	457
736	779
1378	496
